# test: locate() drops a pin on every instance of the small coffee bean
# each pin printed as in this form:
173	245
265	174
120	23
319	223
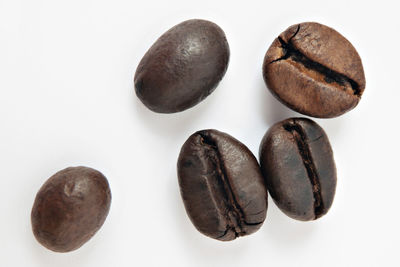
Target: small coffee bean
221	185
298	166
182	67
70	207
314	70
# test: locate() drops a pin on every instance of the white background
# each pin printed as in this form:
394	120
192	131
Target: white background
67	99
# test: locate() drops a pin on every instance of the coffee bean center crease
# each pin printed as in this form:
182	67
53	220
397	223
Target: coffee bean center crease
233	212
302	143
291	52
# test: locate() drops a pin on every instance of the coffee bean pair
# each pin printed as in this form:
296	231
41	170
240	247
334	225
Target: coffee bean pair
224	190
310	68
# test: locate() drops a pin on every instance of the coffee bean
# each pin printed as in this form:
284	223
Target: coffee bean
70	207
314	70
298	166
182	67
221	185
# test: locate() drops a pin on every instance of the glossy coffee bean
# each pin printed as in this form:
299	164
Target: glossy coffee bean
299	170
182	67
314	70
70	207
221	185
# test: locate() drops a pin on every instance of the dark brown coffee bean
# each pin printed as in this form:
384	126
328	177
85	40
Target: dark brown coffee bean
314	70
298	166
182	67
70	207
221	185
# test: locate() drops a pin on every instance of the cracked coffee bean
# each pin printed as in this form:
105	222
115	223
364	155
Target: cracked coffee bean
182	67
70	207
299	170
221	185
314	70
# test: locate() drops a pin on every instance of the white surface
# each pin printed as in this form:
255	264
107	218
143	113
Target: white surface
67	99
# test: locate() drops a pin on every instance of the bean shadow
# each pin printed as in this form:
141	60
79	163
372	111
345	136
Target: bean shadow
284	231
203	249
271	109
274	111
168	125
171	126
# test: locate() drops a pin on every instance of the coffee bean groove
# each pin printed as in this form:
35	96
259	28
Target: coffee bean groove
302	144
234	215
290	52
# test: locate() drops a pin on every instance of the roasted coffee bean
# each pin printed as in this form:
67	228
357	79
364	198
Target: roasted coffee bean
221	185
70	207
314	70
182	67
298	166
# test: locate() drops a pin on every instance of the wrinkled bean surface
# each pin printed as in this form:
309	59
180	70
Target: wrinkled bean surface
70	207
